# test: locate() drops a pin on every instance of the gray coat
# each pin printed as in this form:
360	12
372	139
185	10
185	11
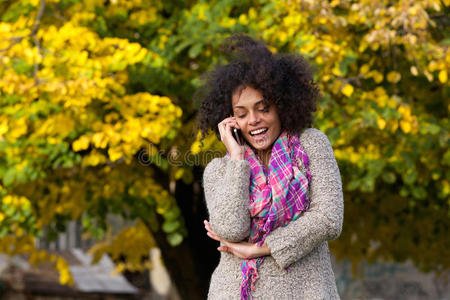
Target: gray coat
301	245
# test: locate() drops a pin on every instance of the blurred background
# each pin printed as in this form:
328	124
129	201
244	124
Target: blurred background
101	167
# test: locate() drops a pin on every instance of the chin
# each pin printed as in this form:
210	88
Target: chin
263	146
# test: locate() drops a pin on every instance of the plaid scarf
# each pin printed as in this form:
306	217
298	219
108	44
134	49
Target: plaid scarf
277	196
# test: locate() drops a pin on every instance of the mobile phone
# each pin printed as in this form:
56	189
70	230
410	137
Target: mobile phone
237	136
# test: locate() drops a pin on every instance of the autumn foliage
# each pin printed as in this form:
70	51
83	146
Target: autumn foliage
96	95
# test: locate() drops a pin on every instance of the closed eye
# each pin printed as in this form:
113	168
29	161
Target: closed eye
264	108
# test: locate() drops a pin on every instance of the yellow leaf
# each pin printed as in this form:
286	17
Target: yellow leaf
81	144
443	76
362	46
394	125
381	123
19	129
380	91
64	273
336	71
432	66
243	19
195	147
414	71
7	199
119	268
405	126
19	232
413	10
335	3
114	154
428	75
377	76
179	112
394	77
34	2
3	127
99	140
347	90
179	173
93	159
364	69
335	87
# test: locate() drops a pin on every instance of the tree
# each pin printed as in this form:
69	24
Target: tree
97	118
71	132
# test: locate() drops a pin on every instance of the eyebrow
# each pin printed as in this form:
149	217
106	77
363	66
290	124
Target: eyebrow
257	103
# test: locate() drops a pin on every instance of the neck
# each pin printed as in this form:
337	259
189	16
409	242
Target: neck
264	155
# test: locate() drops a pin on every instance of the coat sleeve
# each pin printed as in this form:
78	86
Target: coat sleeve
323	220
226	186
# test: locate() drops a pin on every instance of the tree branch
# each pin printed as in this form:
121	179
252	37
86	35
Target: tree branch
18	39
38	17
36	40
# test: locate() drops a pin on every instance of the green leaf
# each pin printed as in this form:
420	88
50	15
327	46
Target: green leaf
16	10
9	176
188	177
172	214
182	46
388	177
419	192
174	239
446	159
195	50
410	176
445	42
430	128
21	66
354	184
367	184
170	226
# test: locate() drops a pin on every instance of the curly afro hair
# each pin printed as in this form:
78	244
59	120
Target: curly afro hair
284	79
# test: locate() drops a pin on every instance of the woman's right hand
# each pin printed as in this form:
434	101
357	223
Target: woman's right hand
235	150
244	250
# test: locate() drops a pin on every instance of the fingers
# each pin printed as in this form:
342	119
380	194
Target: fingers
225	127
208	226
210	232
233	123
214	236
231	120
224	249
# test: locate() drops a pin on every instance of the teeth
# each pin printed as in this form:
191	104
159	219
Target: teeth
258	131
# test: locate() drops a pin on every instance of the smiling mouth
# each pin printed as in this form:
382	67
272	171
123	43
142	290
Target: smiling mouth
259	131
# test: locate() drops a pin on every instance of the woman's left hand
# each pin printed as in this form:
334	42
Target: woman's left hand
242	250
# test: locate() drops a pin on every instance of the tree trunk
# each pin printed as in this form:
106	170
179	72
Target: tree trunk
190	264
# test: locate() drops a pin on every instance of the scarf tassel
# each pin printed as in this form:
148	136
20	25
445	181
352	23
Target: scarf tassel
246	288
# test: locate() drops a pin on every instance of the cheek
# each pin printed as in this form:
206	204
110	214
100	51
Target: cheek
276	124
275	120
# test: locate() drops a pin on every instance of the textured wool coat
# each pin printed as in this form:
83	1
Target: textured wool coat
301	245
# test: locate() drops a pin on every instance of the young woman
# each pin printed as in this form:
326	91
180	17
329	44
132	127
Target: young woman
275	199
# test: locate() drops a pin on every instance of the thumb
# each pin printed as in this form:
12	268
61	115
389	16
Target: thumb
223	249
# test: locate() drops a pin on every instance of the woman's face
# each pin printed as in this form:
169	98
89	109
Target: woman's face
257	118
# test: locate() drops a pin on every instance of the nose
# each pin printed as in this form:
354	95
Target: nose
253	118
